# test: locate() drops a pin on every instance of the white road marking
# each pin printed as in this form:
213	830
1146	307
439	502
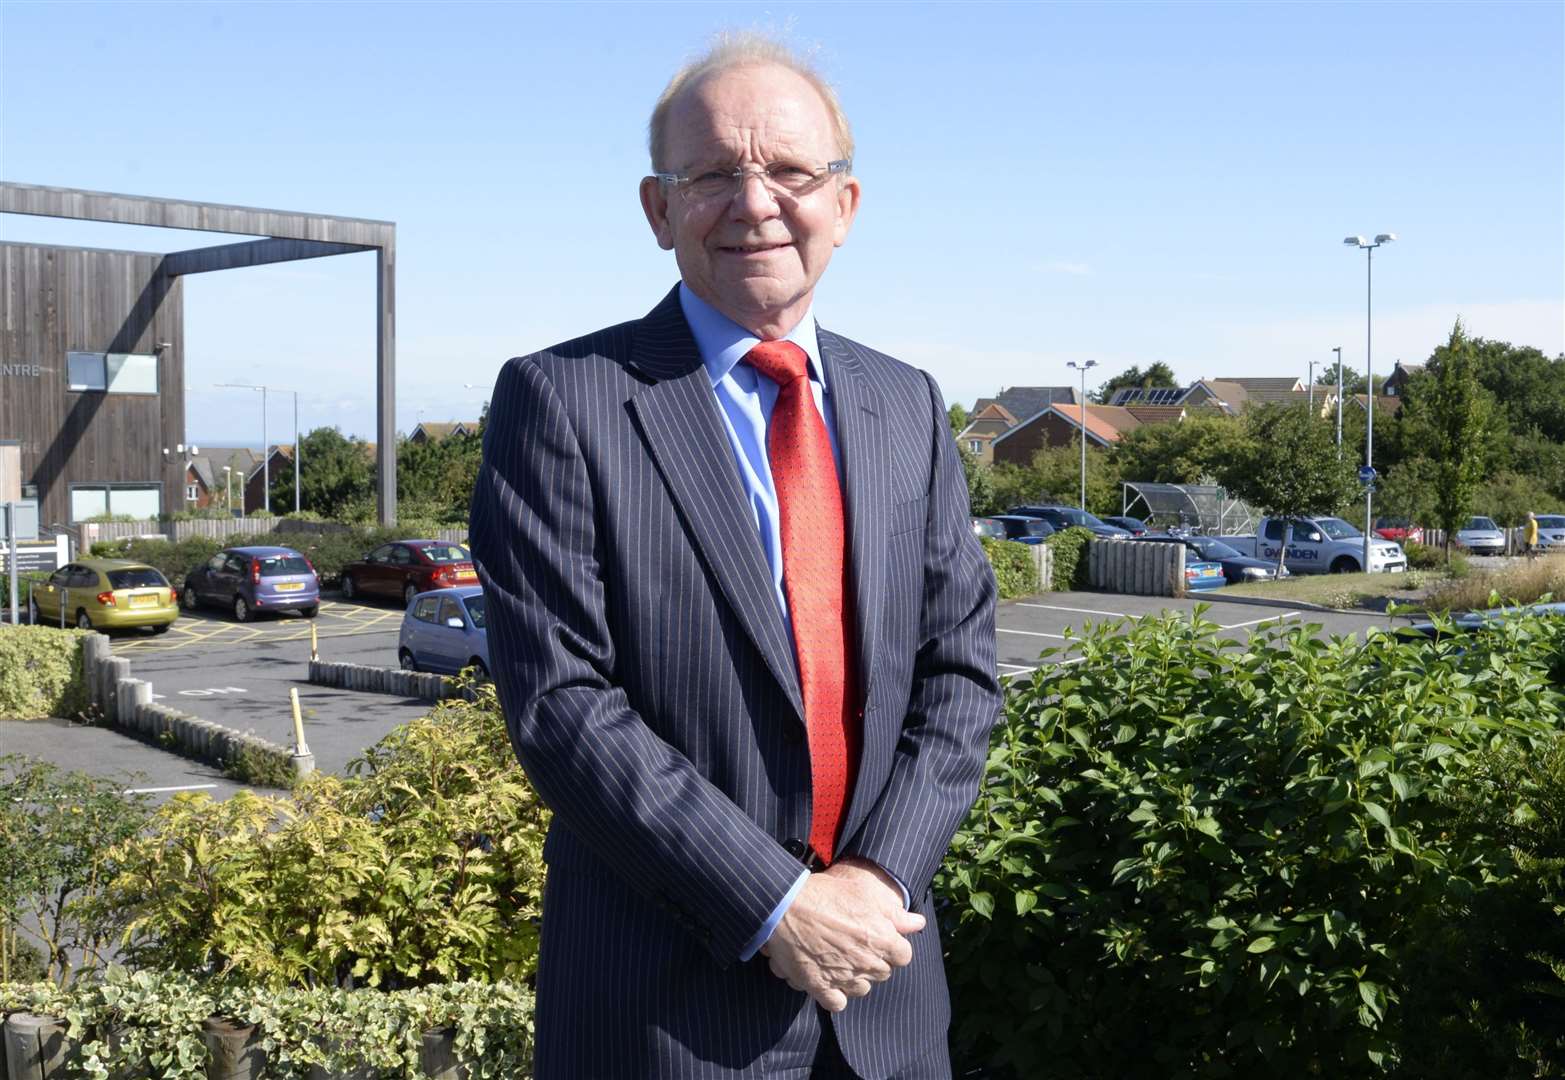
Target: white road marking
160	790
1078	610
1270	618
1029	633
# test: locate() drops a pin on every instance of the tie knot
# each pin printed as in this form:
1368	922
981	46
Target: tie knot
780	361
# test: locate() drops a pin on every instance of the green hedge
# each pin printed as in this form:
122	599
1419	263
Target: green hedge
41	672
156	1020
1015	570
1298	857
1070	558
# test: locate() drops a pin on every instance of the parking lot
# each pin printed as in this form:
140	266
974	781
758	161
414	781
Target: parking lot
239	675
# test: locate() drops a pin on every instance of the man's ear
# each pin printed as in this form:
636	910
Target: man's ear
847	209
654	203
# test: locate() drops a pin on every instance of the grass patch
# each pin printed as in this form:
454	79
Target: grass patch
1338	590
1522	581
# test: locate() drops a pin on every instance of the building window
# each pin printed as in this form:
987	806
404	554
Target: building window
139	501
112	373
191	494
975	446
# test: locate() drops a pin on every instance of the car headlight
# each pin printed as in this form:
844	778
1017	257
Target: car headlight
1255	572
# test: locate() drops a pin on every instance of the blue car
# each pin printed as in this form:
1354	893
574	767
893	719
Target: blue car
1201	575
444	630
250	581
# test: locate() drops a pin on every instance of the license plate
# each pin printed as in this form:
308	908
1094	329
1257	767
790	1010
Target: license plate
1395	569
144	600
1210	573
467	575
290	586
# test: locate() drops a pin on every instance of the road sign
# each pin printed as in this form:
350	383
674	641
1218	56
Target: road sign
1366	475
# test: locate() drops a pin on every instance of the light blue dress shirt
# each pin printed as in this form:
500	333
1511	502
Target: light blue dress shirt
746	398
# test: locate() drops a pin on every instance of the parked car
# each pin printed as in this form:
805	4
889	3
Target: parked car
1320	545
1481	536
445	630
105	594
1023	529
1469	621
1401	530
1237	568
988	526
404	568
1134	526
1201	575
1063	517
1551	531
249	581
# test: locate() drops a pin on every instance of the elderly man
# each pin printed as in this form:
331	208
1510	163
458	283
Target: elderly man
742	633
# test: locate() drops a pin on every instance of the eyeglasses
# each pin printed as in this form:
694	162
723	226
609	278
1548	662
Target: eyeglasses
786	179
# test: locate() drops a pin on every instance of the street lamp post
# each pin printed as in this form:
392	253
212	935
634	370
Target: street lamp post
1083	369
1338	350
228	489
266	456
1369	376
1311	387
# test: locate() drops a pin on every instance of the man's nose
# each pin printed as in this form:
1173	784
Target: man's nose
753	201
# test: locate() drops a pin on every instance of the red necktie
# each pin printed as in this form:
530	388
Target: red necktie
815	581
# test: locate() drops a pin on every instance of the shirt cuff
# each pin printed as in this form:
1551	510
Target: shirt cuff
764	934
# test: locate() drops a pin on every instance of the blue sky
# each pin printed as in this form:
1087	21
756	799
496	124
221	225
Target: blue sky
1123	182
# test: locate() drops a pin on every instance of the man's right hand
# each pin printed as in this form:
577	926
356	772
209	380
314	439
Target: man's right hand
842	934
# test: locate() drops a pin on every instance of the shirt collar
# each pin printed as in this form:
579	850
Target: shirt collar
723	342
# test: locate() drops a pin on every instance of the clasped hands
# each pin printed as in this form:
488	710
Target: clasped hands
843	933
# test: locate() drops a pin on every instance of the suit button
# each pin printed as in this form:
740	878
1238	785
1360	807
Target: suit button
794	847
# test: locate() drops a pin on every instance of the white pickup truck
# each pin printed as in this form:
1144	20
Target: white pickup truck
1321	545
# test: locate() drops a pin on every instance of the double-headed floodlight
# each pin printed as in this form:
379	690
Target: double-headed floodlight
1083	369
1369	376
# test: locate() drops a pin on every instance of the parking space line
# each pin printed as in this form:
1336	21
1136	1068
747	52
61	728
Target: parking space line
1078	610
161	790
1028	633
1270	618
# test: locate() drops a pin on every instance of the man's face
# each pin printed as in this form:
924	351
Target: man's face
754	256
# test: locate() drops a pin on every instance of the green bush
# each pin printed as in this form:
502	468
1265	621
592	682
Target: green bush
1192	858
129	1020
1070	558
1426	557
41	672
424	865
1015	571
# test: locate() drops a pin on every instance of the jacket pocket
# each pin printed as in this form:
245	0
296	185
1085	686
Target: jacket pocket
909	516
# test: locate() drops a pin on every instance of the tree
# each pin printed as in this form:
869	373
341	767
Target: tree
1454	416
1290	467
1352	380
1199	445
336	475
957	416
1156	374
980	483
435	478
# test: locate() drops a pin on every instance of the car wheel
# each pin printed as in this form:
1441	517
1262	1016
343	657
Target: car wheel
405	659
241	610
1344	565
187	599
409	591
349	589
83	620
480	667
161	629
311	611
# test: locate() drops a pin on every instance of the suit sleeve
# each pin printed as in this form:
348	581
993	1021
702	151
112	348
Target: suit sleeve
955	697
636	802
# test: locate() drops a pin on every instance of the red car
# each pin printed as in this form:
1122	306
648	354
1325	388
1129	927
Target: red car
403	569
1399	529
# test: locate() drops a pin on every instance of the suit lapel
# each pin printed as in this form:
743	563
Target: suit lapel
679	417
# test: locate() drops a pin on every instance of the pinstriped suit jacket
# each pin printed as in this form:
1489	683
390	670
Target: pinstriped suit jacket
649	688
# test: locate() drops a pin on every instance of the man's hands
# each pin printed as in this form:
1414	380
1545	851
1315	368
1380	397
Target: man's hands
844	932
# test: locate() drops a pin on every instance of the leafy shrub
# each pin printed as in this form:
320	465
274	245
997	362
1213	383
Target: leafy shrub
1192	858
423	866
56	829
1070	558
23	580
41	672
156	1017
1015	570
1422	556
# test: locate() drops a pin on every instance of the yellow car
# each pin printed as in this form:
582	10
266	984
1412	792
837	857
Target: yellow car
105	594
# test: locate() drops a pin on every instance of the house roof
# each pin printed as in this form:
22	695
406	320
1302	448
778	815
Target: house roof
990	409
985	427
1157	414
1029	401
1383	403
1265	383
208	465
434	431
1103	421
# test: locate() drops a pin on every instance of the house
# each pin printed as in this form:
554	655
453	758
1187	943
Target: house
992	417
1226	395
1397	381
280	459
433	432
1060	425
216	470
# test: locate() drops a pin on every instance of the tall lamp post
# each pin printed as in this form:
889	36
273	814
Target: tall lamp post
1083	369
1338	350
266	455
1312	386
1369	376
228	489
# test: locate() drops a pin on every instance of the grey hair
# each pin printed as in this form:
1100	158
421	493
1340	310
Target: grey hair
738	49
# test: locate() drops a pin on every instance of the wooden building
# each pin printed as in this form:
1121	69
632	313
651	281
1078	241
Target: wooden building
92	381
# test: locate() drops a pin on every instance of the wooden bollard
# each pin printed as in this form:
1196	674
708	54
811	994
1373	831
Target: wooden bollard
437	1055
36	1047
236	1052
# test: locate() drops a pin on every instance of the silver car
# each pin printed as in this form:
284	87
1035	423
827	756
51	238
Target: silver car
1481	536
1551	531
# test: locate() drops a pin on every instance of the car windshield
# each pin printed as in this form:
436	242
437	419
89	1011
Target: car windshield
140	577
1080	517
278	565
1482	523
1216	549
989	527
1550	522
475	611
1036	527
446	553
1337	529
